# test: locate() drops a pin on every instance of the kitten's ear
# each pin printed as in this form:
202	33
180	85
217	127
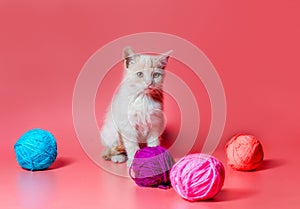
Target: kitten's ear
128	56
163	58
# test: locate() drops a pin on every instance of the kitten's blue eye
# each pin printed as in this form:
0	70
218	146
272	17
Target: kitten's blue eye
156	75
139	74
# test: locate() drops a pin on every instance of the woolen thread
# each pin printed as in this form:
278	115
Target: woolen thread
197	177
151	167
244	152
36	150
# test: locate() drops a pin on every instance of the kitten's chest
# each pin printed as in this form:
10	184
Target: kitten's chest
142	103
143	114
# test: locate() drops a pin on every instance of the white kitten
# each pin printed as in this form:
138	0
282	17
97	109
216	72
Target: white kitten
135	115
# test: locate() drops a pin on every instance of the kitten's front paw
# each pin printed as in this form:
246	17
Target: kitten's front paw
118	158
153	142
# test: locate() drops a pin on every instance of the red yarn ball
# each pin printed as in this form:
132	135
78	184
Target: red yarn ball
244	152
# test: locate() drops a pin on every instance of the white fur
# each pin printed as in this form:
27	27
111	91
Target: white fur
134	115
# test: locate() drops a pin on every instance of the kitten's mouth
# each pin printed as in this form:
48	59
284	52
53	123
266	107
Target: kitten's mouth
154	93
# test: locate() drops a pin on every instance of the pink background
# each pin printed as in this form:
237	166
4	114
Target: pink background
254	47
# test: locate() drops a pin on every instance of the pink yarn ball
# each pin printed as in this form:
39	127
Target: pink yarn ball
197	177
244	152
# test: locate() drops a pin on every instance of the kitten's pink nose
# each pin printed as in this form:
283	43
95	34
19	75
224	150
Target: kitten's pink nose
150	86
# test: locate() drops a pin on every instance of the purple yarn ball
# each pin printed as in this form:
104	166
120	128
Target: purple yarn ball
151	167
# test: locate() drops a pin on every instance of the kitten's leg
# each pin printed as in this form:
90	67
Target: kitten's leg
153	142
153	138
158	125
114	149
131	147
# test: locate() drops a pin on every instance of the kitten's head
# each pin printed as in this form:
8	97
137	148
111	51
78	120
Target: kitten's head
144	73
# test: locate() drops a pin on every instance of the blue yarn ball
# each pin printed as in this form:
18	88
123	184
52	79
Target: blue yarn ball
36	150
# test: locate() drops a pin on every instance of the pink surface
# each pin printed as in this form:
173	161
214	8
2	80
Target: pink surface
254	47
